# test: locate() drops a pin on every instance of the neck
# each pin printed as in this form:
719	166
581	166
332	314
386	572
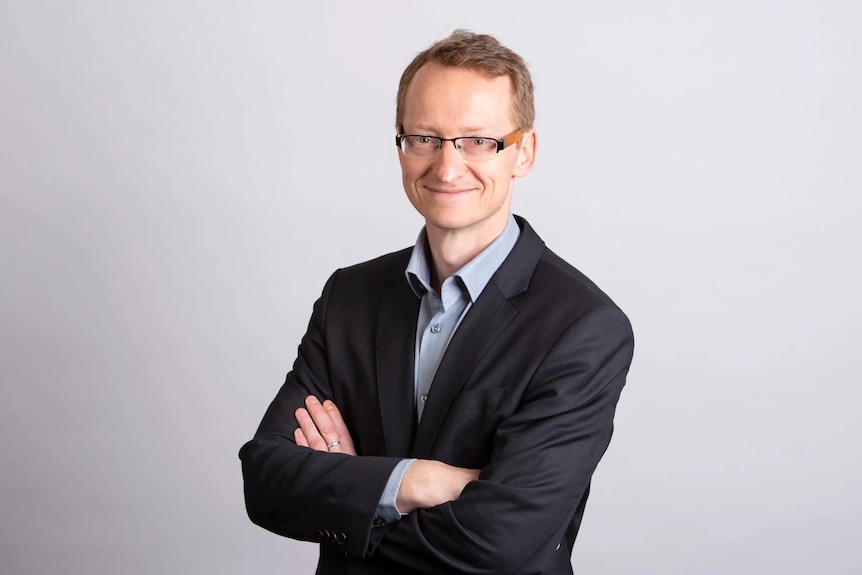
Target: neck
450	250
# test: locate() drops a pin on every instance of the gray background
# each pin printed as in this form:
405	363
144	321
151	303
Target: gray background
171	204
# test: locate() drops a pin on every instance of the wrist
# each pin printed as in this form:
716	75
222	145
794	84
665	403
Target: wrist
427	483
408	499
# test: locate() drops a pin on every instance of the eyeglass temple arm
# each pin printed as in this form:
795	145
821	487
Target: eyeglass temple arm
509	140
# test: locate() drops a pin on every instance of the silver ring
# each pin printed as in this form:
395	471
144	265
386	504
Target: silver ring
333	444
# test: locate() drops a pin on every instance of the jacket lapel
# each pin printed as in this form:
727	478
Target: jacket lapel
396	337
486	320
482	325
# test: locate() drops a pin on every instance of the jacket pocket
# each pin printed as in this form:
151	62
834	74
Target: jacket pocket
483	398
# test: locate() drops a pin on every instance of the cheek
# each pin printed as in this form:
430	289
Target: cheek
410	173
497	179
508	173
408	179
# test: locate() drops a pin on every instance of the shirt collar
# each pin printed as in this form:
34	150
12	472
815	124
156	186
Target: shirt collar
475	274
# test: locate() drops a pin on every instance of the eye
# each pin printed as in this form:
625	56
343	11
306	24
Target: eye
423	140
477	142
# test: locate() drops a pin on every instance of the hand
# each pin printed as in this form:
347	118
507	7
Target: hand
322	428
428	483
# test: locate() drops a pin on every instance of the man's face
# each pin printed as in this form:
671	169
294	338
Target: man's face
453	194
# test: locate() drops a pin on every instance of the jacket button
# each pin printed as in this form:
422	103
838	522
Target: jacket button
340	538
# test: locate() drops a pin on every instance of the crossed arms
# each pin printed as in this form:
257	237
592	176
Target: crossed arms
536	445
426	482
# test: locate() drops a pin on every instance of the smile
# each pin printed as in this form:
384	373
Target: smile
449	191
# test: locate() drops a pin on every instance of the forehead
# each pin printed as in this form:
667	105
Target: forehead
457	99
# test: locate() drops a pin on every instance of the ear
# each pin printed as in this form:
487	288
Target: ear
397	149
526	155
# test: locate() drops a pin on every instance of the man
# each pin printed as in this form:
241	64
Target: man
449	402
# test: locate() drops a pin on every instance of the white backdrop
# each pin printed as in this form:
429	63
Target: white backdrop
170	206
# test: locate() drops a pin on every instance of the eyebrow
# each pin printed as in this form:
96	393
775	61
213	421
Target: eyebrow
465	132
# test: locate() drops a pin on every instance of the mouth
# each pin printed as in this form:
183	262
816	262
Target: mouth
447	191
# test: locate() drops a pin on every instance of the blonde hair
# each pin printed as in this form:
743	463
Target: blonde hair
480	53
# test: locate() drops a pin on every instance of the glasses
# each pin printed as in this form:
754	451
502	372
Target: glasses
471	148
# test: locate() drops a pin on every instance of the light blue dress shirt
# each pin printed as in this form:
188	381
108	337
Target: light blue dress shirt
439	317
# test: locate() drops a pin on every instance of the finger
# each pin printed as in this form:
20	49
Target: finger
327	428
340	426
309	430
299	437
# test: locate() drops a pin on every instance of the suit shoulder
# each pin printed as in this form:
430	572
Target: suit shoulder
555	274
377	271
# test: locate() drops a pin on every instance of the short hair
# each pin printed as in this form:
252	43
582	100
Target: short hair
480	53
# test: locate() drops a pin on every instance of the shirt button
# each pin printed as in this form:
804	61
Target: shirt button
435	328
423	398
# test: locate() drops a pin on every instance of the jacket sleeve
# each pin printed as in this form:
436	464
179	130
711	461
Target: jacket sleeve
516	515
301	493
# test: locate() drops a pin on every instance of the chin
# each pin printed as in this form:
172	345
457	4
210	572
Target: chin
451	221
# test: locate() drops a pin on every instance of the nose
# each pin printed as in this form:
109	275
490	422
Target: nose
448	163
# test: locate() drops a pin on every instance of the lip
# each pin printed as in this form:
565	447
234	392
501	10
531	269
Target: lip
448	191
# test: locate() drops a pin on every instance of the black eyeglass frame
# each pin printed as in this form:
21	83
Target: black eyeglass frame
502	144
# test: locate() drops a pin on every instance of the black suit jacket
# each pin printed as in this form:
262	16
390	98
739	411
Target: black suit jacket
526	392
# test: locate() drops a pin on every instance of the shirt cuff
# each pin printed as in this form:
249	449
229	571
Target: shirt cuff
387	512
